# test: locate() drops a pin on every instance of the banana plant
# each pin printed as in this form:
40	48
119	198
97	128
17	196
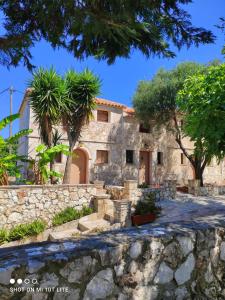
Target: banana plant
45	156
9	159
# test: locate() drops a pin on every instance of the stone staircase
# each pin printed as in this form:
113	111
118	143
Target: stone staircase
103	219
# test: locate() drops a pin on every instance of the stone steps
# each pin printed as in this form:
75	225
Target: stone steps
92	225
64	234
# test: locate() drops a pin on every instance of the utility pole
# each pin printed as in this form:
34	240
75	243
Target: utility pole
11	90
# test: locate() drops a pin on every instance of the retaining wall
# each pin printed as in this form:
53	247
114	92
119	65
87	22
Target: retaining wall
23	204
167	262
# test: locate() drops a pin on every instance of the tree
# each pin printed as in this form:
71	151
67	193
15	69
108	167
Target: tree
100	28
157	100
47	100
82	88
202	100
222	27
9	161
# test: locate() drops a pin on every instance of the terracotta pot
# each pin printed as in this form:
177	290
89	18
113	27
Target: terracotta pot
143	219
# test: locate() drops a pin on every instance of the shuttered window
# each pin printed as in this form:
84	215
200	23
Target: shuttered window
159	158
129	156
102	116
102	157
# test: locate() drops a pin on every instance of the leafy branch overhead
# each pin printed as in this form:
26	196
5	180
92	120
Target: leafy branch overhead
100	28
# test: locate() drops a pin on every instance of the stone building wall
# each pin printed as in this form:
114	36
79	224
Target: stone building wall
23	204
170	262
117	136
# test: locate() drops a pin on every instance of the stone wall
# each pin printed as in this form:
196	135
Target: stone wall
206	190
22	204
180	262
131	191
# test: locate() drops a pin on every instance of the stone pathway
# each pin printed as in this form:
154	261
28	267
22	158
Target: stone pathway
188	208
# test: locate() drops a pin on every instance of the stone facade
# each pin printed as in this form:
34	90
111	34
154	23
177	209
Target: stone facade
23	204
119	134
146	263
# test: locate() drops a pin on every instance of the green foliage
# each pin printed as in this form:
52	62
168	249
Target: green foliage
103	29
156	99
86	211
143	186
9	159
70	214
3	236
56	137
147	205
202	99
21	231
45	156
47	100
82	88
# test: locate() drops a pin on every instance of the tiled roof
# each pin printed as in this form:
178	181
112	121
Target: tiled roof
99	101
125	108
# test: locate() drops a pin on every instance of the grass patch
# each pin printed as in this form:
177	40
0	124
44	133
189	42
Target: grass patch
3	235
70	214
21	231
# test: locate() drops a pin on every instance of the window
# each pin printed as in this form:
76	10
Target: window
182	158
102	157
129	156
159	158
58	158
102	116
144	128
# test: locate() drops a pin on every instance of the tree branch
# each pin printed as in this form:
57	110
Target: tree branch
178	139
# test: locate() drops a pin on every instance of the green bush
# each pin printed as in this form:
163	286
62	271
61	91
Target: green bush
86	211
24	230
147	205
70	214
3	235
143	186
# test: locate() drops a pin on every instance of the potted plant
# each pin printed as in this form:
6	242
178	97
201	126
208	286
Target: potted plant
146	210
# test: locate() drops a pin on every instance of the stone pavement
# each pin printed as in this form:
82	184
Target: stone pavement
188	208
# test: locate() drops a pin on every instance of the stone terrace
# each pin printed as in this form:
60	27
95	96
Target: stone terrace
181	256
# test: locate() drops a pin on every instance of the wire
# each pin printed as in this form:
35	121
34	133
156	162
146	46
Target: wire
4	91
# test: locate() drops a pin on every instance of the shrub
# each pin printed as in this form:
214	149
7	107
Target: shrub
148	205
86	210
70	214
143	186
67	215
23	230
3	235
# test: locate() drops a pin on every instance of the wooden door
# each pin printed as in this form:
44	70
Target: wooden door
144	167
79	167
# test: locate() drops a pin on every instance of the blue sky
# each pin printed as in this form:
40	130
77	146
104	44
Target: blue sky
120	80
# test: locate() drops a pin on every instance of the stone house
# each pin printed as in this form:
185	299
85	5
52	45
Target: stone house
115	147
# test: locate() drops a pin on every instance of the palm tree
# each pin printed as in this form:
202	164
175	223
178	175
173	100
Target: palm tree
47	100
82	88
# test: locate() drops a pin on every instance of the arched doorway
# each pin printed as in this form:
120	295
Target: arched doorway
79	167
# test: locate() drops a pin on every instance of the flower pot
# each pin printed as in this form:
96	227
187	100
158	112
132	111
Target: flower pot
143	219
